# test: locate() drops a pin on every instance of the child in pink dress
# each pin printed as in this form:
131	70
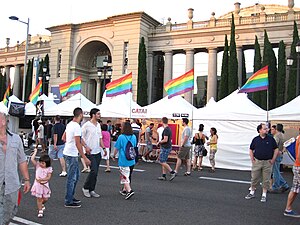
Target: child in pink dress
40	188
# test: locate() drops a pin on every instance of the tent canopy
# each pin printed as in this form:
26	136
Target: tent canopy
3	108
288	111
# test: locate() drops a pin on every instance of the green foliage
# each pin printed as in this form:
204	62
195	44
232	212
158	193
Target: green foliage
244	72
291	92
2	86
232	61
256	96
142	89
223	89
280	88
269	59
47	63
29	74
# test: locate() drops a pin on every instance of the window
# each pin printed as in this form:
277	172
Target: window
58	62
125	62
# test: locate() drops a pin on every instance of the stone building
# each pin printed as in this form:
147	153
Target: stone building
79	49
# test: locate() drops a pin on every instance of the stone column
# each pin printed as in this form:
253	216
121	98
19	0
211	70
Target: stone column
212	74
168	71
7	74
189	64
17	79
150	76
98	91
239	53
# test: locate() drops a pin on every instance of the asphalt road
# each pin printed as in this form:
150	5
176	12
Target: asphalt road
185	200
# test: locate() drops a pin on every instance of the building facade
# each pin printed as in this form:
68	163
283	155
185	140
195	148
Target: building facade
79	49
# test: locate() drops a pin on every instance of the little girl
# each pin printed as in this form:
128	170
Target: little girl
40	188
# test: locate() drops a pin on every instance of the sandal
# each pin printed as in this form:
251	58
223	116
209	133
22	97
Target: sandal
107	170
40	214
187	174
43	207
200	169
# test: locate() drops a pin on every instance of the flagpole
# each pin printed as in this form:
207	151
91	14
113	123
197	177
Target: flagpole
268	107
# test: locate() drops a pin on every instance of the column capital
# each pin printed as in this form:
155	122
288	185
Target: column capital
189	50
168	52
212	49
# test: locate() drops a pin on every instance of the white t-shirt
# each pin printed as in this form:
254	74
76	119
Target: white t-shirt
187	132
73	130
91	135
160	130
41	131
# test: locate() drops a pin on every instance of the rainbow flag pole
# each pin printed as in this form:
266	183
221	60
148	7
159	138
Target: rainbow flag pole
259	81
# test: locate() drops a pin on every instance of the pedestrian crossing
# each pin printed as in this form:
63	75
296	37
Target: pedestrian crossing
21	221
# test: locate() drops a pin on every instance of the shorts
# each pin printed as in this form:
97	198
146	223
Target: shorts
8	205
124	174
296	180
56	154
184	153
149	146
198	150
164	154
106	157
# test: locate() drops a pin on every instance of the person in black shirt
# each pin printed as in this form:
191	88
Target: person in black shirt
263	153
57	144
165	149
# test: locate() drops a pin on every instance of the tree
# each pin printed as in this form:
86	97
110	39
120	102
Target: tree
142	89
29	73
281	75
293	71
244	72
2	86
47	63
223	91
269	59
232	61
256	96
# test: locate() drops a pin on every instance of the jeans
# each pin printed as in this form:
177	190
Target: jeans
91	180
72	177
279	181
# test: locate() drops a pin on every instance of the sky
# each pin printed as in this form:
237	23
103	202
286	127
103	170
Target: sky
43	14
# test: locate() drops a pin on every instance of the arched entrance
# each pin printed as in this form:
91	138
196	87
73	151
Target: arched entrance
89	60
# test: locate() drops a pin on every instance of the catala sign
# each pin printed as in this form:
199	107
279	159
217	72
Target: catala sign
138	113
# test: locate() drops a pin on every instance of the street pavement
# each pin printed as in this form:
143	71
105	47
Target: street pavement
198	199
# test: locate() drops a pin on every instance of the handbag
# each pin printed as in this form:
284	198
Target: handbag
17	109
204	152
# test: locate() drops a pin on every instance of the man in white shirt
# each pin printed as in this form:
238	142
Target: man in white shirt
92	142
73	146
40	135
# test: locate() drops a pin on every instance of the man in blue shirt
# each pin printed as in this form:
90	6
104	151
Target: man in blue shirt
263	153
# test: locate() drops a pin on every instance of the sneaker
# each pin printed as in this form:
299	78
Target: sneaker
187	174
86	193
76	200
73	205
63	174
291	214
123	192
249	196
162	178
149	161
43	207
40	214
263	199
94	194
173	175
144	159
129	195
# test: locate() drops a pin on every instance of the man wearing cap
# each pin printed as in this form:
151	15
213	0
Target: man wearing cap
12	156
40	135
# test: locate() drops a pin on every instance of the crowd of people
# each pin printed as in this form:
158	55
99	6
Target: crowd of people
95	140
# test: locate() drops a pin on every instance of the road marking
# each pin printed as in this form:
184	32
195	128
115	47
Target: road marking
115	167
24	221
226	180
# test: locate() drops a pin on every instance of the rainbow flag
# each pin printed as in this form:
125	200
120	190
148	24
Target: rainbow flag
120	86
180	84
6	96
257	82
36	93
71	87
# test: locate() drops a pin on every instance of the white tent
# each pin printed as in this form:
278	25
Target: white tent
173	108
49	104
66	108
121	106
235	118
3	108
288	111
30	109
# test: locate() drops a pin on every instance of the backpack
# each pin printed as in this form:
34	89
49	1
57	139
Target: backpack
130	153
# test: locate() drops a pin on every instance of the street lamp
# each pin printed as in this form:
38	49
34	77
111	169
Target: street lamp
290	61
45	77
105	71
26	53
